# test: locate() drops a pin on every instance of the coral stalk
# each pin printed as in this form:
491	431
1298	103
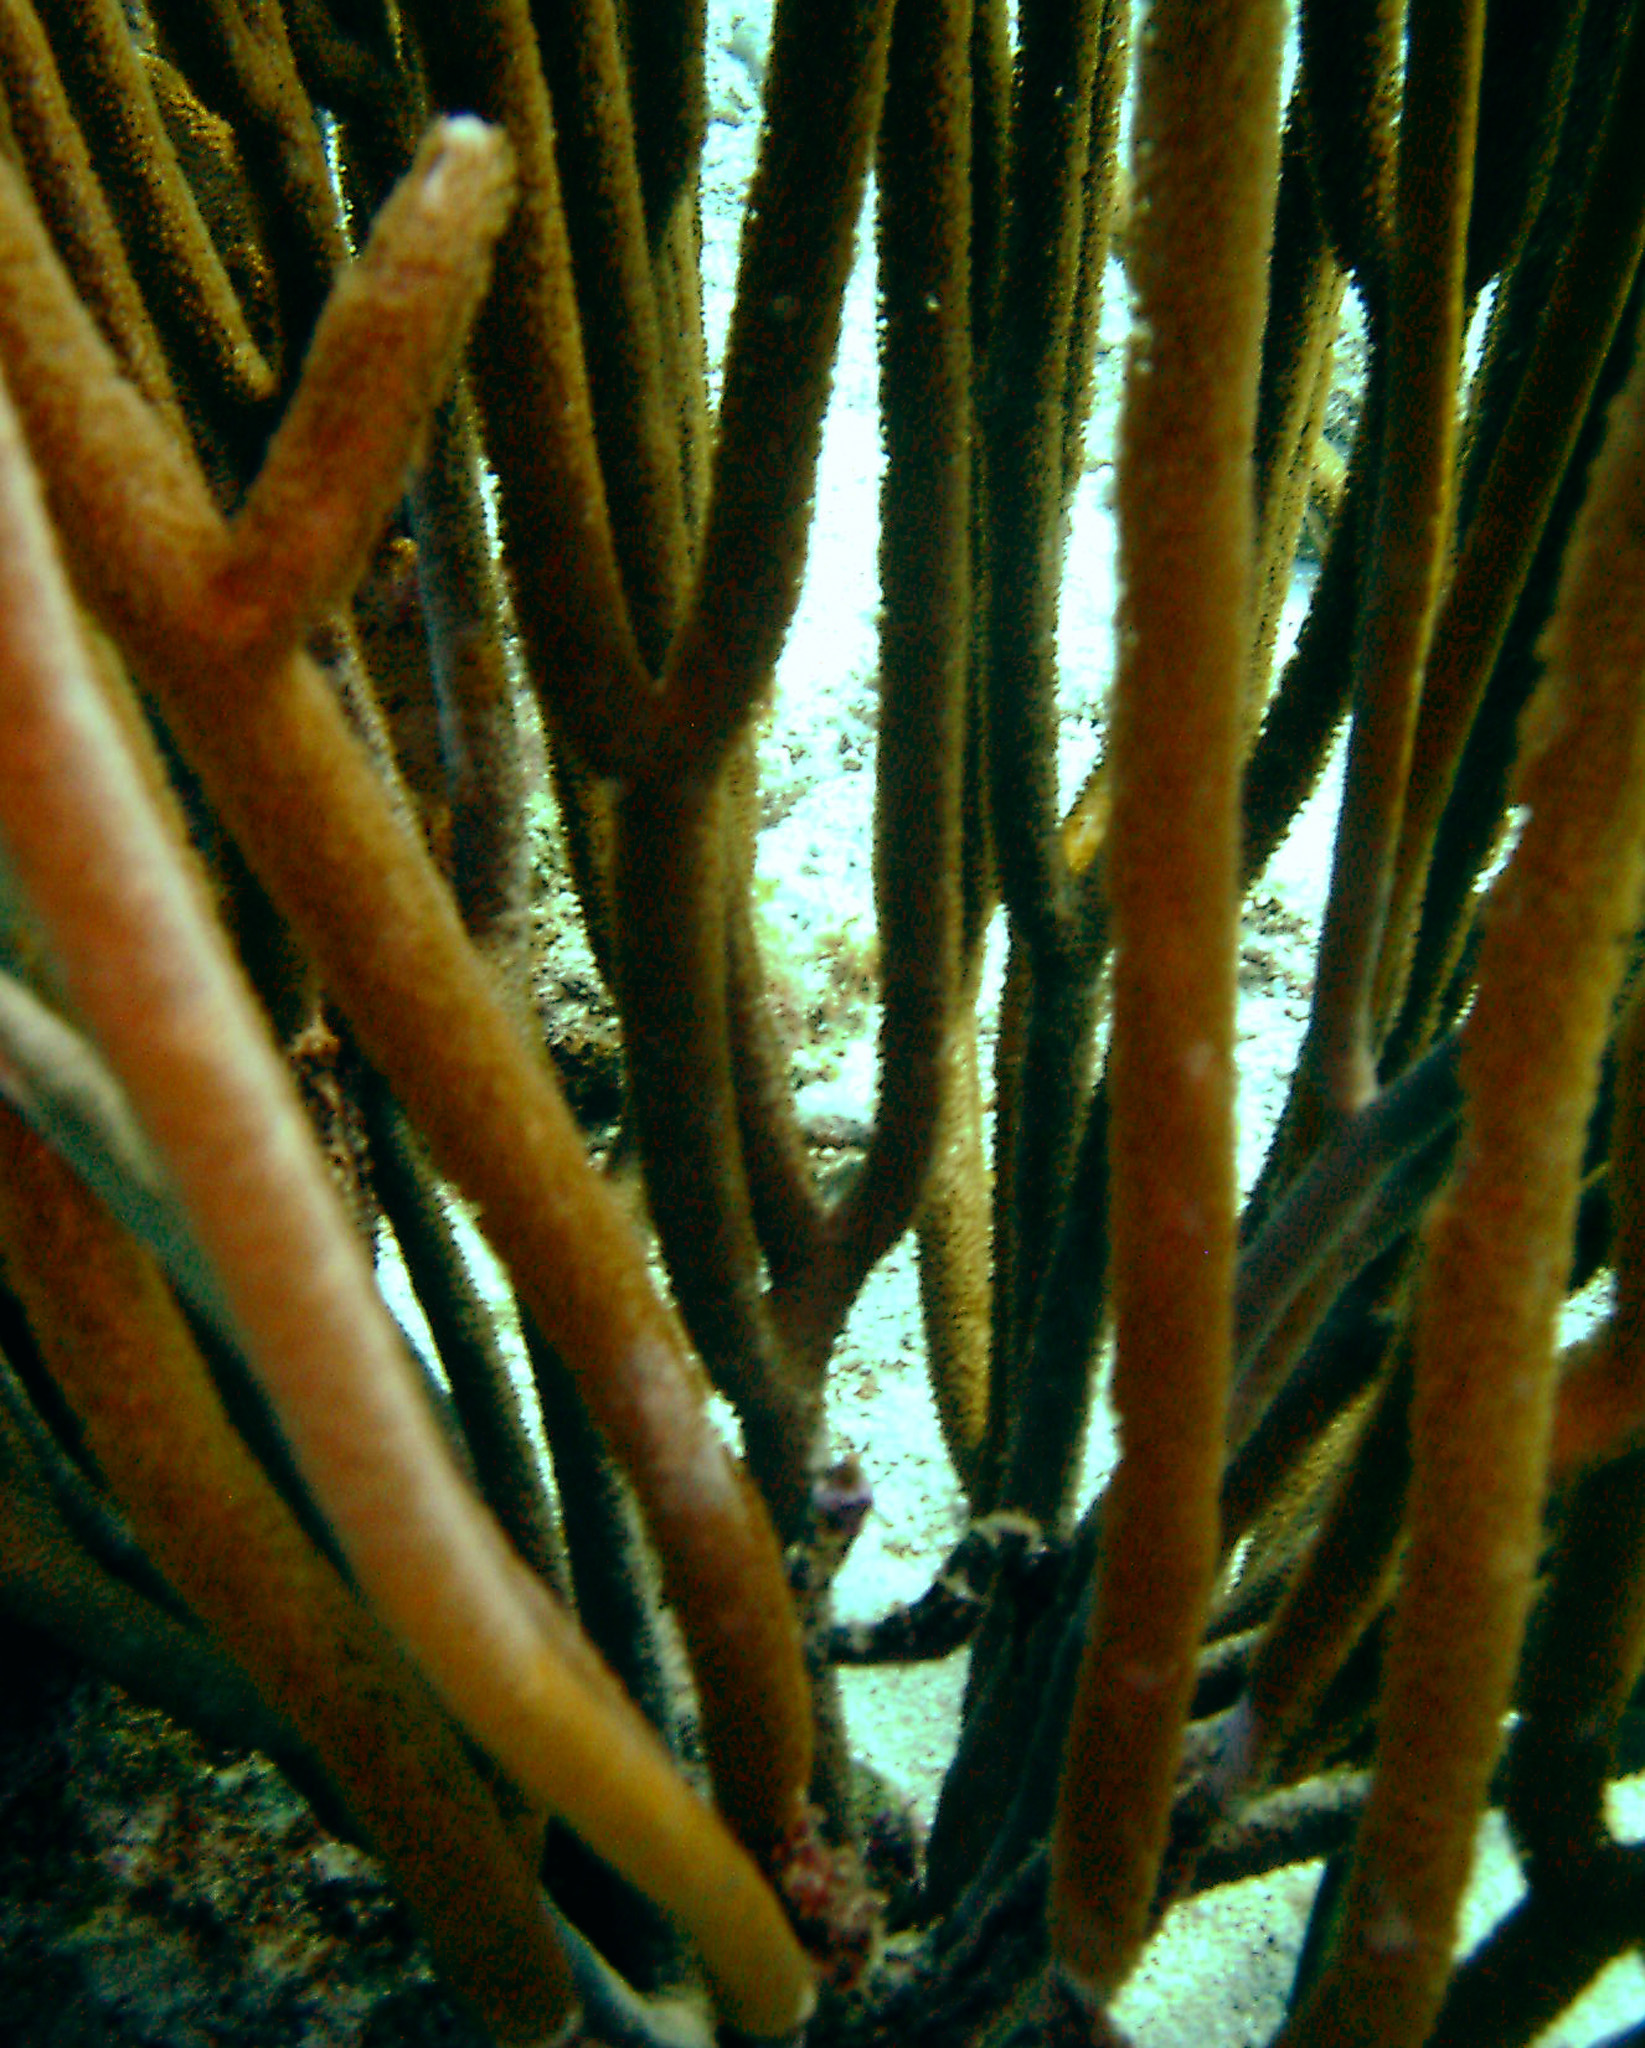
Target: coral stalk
1207	155
580	640
307	805
1550	967
150	976
209	1518
1584	309
1408	544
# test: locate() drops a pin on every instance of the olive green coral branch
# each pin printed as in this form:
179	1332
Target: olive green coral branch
53	151
531	380
797	246
595	144
240	61
1583	312
183	278
1407	548
675	844
53	1576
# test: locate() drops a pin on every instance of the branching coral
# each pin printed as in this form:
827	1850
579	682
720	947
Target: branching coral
280	288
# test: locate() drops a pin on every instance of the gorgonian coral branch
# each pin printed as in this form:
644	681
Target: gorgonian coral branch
1550	967
1207	156
208	1087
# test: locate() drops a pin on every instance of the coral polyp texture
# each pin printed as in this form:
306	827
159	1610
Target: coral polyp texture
367	492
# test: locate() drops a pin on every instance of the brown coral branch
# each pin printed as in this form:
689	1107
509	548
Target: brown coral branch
1549	971
1329	1600
956	1291
336	465
394	952
210	1519
480	743
1207	161
494	1428
1304	305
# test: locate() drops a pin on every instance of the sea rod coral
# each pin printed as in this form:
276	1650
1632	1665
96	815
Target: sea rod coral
361	471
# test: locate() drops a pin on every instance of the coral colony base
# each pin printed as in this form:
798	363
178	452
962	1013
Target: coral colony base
435	685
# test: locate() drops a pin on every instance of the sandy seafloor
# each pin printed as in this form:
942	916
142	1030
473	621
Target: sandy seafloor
1218	1975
